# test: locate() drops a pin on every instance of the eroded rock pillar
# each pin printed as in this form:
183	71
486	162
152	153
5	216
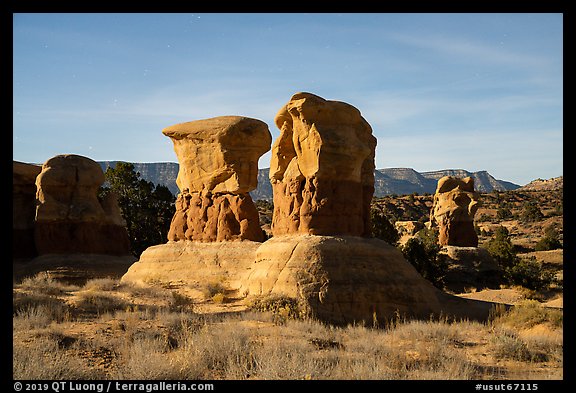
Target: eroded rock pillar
453	210
218	168
322	168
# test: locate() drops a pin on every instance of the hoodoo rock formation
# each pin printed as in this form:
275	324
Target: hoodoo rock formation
218	168
322	168
62	227
455	203
215	230
69	217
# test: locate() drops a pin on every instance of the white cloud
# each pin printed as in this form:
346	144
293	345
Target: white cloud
472	51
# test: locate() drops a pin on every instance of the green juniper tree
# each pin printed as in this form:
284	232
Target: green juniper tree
146	208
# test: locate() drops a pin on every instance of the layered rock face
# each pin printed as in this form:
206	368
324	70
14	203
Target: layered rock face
69	217
23	208
322	168
455	203
193	264
218	168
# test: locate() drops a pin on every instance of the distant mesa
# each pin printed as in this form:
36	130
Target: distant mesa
387	181
555	183
62	222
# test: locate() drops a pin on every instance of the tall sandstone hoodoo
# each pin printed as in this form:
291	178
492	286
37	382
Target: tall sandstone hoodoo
215	230
455	204
322	168
218	168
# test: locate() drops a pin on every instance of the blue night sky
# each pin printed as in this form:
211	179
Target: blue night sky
463	91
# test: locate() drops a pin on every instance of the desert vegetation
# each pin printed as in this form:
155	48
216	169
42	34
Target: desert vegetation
147	208
110	330
522	230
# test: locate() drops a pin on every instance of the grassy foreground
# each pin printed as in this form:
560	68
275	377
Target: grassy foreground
111	330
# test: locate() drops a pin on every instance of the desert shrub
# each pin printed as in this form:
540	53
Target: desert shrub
99	302
39	309
382	228
422	252
145	358
500	247
213	287
45	359
531	212
101	284
283	308
530	273
527	314
43	283
503	213
508	345
41	315
180	302
550	241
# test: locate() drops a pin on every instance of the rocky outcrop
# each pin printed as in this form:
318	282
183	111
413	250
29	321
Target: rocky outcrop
349	279
69	217
220	154
23	208
193	264
209	217
218	168
408	227
455	203
322	175
322	168
470	267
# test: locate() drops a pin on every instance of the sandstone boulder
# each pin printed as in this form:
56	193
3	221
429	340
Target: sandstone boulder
470	267
23	208
454	206
194	264
69	216
408	227
219	154
322	168
349	279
